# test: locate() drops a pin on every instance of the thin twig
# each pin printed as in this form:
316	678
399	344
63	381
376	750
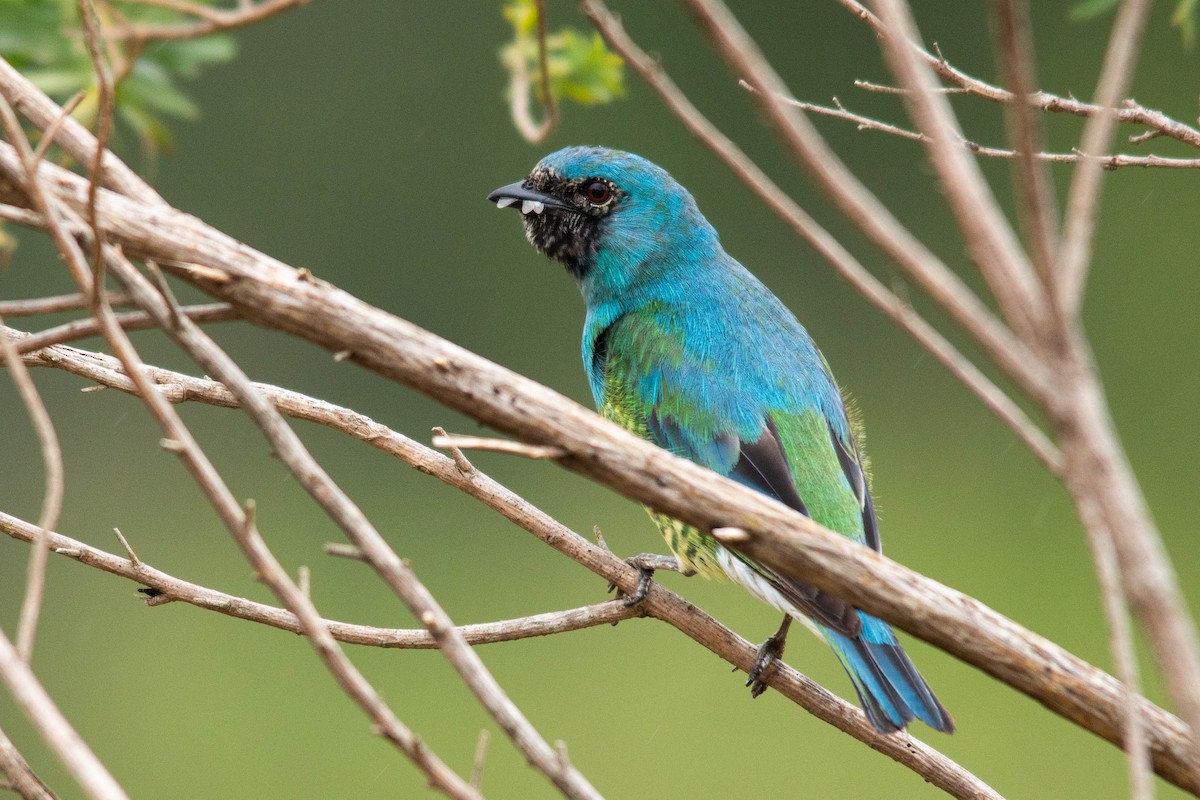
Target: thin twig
460	458
91	775
212	21
104	118
52	131
1037	206
865	123
20	777
51	305
341	549
133	557
131	321
480	757
52	496
1083	198
521	86
508	630
1130	111
1120	634
989	237
458	442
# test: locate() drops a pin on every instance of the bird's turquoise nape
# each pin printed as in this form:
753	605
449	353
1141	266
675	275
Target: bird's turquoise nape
684	347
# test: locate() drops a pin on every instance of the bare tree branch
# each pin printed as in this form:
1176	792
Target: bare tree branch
1083	198
1037	205
211	20
50	305
52	496
54	728
20	776
865	123
132	321
990	239
177	589
1130	112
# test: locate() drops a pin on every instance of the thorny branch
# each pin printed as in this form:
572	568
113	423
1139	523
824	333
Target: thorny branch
1107	162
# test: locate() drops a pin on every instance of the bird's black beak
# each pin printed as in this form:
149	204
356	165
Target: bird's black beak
531	201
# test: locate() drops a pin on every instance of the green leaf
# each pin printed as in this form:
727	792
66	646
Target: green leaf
582	68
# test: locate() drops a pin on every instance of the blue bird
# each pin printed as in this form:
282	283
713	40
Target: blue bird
684	347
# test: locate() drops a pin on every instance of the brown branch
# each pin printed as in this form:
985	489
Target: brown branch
132	321
211	21
51	305
20	777
177	589
989	237
52	496
663	605
825	244
865	123
1037	206
52	131
1130	112
104	119
91	775
453	441
1083	197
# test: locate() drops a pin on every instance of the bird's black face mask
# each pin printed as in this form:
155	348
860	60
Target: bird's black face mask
562	218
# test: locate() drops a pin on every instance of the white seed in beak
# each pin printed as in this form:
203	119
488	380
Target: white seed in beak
505	202
536	206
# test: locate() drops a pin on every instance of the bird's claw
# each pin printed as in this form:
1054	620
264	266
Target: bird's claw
646	564
769	652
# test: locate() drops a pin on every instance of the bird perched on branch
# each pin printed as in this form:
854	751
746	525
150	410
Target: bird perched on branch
684	347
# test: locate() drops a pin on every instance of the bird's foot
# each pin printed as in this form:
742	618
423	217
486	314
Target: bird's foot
769	652
646	564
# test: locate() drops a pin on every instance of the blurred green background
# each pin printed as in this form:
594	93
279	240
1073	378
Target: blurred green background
359	140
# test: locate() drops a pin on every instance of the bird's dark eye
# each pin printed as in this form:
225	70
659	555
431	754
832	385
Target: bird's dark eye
598	192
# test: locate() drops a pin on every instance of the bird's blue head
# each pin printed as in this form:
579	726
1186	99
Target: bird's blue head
617	221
